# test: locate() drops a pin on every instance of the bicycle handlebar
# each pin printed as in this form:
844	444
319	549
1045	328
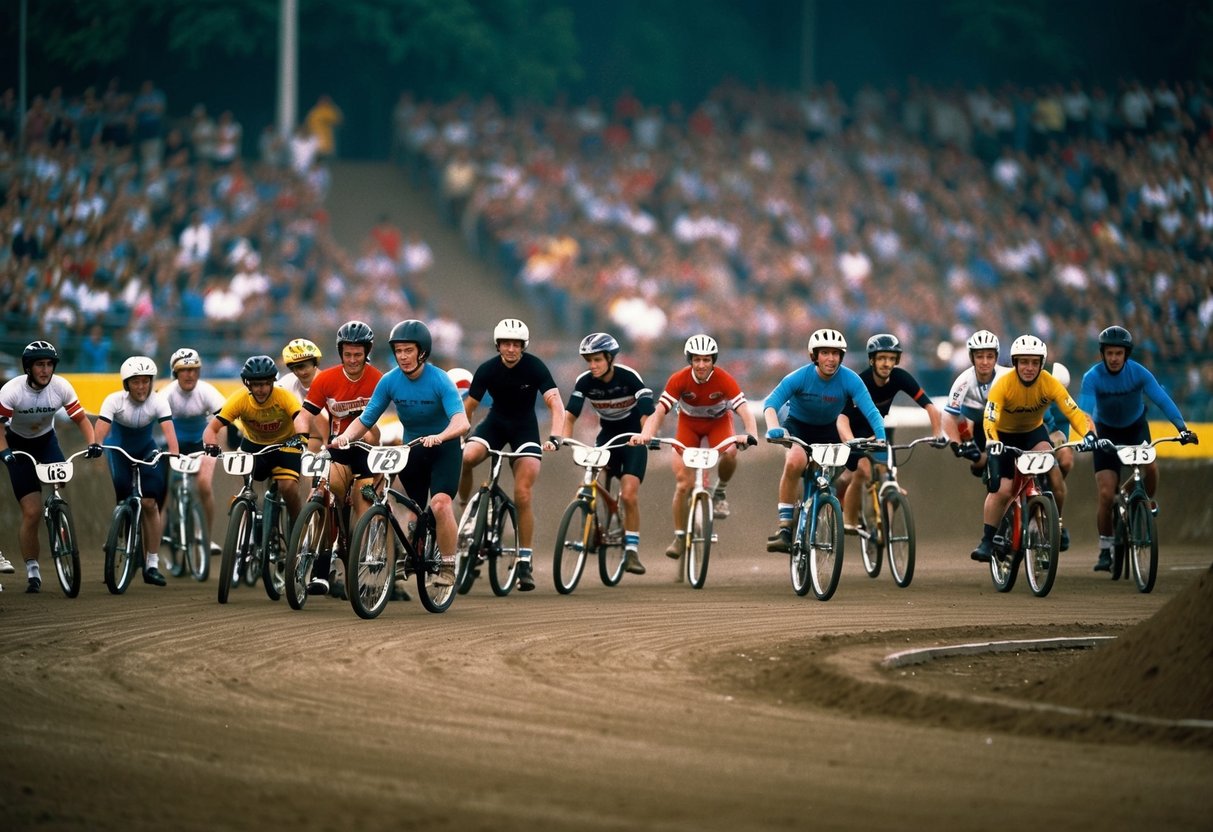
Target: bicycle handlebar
520	451
610	445
736	439
34	459
155	460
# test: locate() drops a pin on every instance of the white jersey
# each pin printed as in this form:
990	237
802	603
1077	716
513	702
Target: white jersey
290	383
30	413
968	395
193	410
133	421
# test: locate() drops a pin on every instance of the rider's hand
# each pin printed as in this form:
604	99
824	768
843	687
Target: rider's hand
967	450
775	434
94	451
636	439
211	450
6	456
555	441
1088	442
995	449
151	455
298	441
939	442
1106	445
1187	437
750	441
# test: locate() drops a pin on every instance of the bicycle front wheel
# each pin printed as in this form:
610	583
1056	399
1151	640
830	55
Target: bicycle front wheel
308	538
1142	546
898	524
372	563
177	537
236	545
121	550
432	589
798	564
503	549
468	544
611	542
273	552
699	540
1004	565
1041	536
871	537
198	547
63	548
574	539
825	548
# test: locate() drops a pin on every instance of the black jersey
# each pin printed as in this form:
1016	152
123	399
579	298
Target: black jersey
620	403
515	390
900	381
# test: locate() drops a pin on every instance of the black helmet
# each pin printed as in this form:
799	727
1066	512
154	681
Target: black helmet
597	342
883	342
1116	336
413	331
36	351
258	368
355	332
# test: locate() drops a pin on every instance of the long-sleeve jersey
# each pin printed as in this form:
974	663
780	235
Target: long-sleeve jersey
1015	407
425	405
967	397
1118	399
817	401
30	412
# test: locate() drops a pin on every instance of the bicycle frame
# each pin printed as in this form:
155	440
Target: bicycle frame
482	522
247	549
890	530
181	522
1135	534
118	575
55	510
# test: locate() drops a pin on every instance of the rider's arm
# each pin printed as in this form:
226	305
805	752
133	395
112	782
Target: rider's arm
652	423
1078	418
843	423
86	427
556	405
101	431
936	419
210	434
1157	394
748	423
170	436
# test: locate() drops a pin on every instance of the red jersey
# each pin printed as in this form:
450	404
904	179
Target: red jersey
710	400
344	399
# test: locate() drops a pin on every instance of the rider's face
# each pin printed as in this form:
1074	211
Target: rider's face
1114	358
353	359
701	367
41	371
187	378
883	364
600	365
828	361
305	371
408	357
140	387
261	389
1028	367
510	350
983	363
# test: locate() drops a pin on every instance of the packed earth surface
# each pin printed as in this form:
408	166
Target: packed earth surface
645	706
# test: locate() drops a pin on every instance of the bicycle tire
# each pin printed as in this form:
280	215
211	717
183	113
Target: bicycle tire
175	523
308	538
1041	539
503	549
798	562
63	547
1004	566
871	544
699	540
574	537
236	543
468	544
611	543
372	566
899	536
825	555
121	550
199	543
273	552
433	597
1142	548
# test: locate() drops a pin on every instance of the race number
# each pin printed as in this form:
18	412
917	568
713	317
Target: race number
1137	455
1033	464
700	457
238	463
54	473
832	455
591	457
185	464
315	465
387	460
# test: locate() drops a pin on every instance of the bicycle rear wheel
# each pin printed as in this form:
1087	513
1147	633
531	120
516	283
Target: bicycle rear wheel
198	546
898	523
121	550
1004	565
825	549
435	597
236	545
574	538
177	537
503	549
273	552
308	539
468	544
1142	546
699	541
372	563
798	564
63	548
610	542
870	521
1041	536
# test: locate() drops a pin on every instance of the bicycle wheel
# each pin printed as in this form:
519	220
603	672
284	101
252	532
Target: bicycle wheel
502	543
610	543
309	536
121	550
273	552
898	523
574	538
1041	536
1142	549
434	597
63	548
1004	565
870	521
798	564
372	563
699	541
236	546
177	537
468	544
198	548
825	549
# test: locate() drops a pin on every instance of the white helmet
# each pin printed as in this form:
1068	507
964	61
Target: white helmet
982	339
512	329
1061	373
183	359
137	365
827	339
462	379
1029	345
701	345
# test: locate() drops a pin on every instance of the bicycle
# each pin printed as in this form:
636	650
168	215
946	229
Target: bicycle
1030	528
817	535
378	535
700	516
1135	537
124	544
185	531
886	523
593	518
59	526
488	529
322	526
255	545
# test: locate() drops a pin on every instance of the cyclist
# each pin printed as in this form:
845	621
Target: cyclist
1014	416
619	396
193	403
815	395
1059	431
1115	391
429	408
266	414
130	414
963	414
302	359
706	397
28	405
342	392
884	379
514	378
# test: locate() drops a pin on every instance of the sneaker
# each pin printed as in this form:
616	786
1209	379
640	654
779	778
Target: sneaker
317	586
720	506
337	590
674	550
216	550
850	528
399	591
1104	564
35	586
631	562
781	541
983	552
446	573
1153	510
1065	540
526	577
152	576
6	565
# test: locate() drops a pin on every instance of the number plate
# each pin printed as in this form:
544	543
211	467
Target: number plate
700	457
314	465
54	473
591	457
387	460
238	463
1137	455
1035	463
831	456
185	464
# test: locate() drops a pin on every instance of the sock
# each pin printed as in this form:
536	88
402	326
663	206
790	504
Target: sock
152	561
785	514
721	485
631	540
1106	541
524	554
680	533
32	570
988	532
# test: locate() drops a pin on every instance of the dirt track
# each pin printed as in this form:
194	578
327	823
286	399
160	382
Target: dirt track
645	706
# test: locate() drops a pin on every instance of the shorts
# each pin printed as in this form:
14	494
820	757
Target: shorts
44	448
153	479
1133	434
433	470
280	463
355	459
499	433
625	459
692	432
1004	464
817	435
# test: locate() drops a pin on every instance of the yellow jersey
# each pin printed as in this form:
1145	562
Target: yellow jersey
265	424
1013	407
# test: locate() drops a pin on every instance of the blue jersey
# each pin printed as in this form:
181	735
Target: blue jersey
425	405
1118	399
817	401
